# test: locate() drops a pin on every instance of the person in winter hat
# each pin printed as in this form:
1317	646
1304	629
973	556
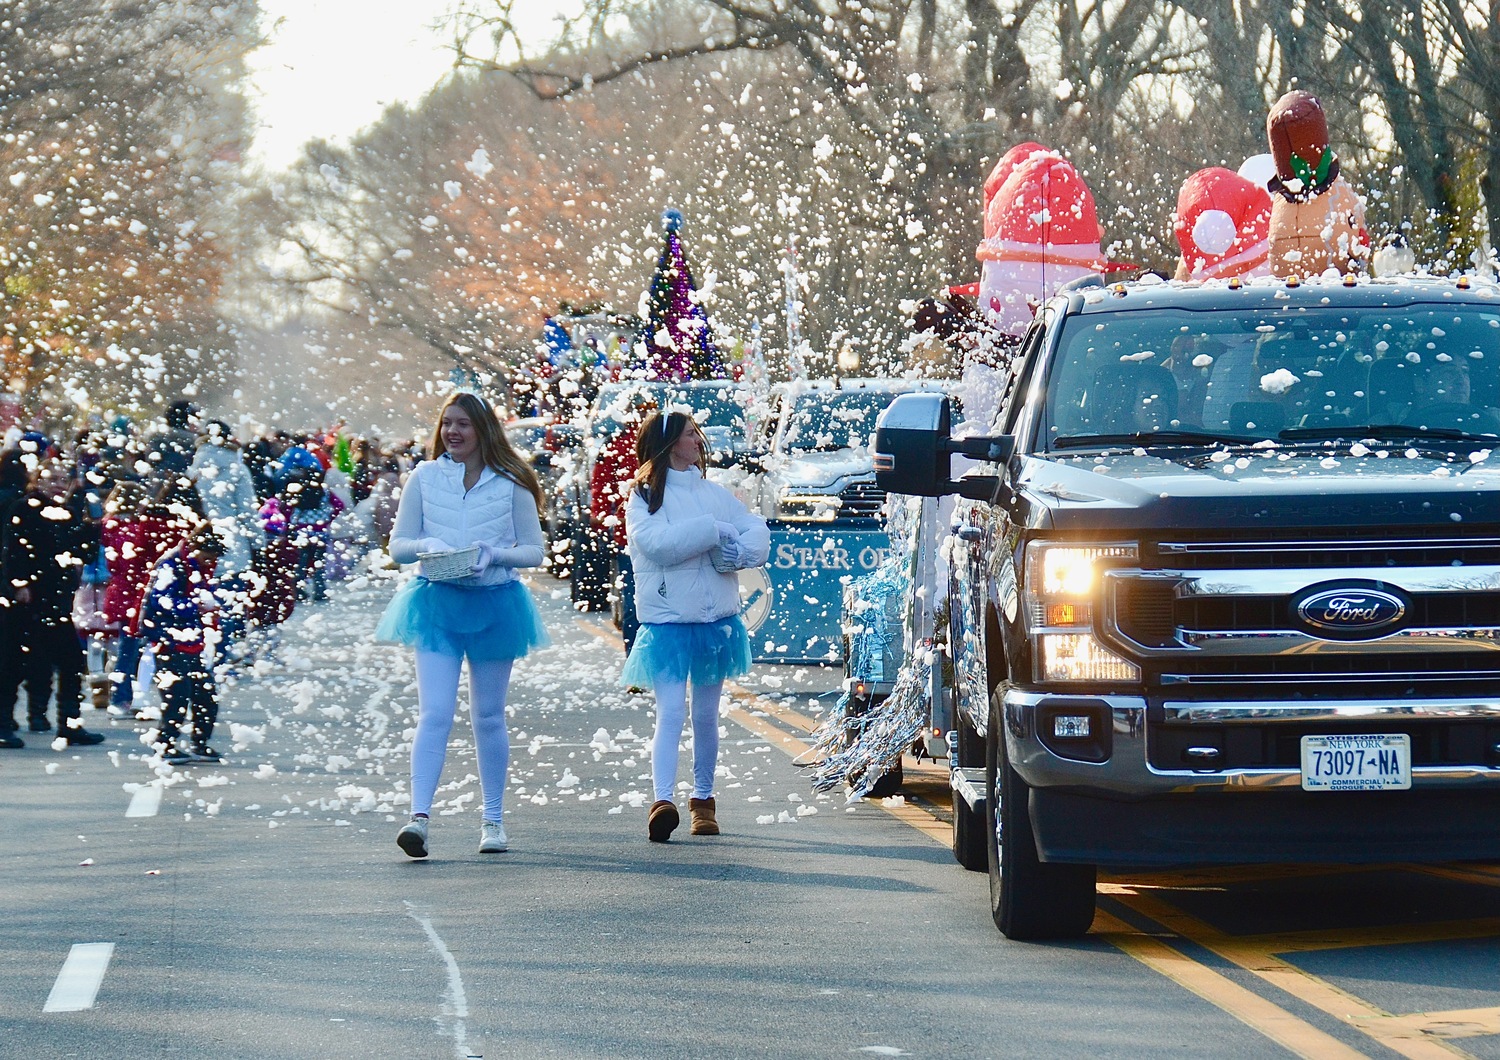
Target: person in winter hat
304	512
178	613
1222	224
687	539
1042	231
478	492
46	539
1317	222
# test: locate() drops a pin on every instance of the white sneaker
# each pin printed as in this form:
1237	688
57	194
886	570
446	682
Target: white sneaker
492	838
413	838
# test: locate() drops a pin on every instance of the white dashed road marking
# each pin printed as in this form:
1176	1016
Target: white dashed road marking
80	977
145	802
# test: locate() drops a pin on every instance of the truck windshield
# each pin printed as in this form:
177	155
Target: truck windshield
1179	377
834	419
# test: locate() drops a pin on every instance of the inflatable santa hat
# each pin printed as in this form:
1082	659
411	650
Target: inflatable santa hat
1317	222
1222	224
1001	173
1043	232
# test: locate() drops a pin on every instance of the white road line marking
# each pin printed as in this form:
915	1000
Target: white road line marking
80	977
145	802
455	1001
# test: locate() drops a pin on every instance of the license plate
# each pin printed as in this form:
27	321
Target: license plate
1356	763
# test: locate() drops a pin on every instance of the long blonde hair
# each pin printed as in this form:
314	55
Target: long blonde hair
494	448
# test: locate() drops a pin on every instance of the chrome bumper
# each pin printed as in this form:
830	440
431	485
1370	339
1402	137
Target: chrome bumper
1128	773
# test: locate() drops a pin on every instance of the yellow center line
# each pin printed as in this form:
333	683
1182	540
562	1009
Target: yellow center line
1260	1015
1388	935
1458	1023
1319	993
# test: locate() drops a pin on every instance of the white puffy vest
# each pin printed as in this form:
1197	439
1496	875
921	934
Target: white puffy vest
459	518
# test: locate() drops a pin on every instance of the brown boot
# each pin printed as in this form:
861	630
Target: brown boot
704	821
661	820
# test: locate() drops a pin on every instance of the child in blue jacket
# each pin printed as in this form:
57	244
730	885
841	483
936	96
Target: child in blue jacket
176	614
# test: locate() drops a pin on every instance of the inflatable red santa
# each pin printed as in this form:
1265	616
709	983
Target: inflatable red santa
1317	222
1222	225
1041	232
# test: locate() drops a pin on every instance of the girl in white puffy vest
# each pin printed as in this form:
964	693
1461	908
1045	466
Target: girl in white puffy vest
477	491
687	539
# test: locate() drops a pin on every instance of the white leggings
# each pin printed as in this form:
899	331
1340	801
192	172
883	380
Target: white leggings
671	708
437	697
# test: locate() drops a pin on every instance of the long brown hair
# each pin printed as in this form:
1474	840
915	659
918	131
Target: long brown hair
494	448
653	449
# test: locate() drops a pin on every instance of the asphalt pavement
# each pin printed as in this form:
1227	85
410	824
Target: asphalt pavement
260	908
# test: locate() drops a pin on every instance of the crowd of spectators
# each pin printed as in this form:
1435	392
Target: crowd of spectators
167	559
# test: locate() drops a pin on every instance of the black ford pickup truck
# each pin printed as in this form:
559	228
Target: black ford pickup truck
1225	584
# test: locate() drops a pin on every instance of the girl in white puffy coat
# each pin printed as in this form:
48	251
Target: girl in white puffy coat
687	539
476	491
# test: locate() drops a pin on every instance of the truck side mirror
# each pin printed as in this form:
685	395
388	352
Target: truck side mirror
914	450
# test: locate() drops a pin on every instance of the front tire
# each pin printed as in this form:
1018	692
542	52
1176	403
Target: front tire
1029	898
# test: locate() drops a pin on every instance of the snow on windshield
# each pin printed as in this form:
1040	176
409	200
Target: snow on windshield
824	419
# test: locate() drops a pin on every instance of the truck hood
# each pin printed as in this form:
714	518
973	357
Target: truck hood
1246	489
814	470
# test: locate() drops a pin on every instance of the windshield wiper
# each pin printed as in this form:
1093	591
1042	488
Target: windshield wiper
1080	441
1387	432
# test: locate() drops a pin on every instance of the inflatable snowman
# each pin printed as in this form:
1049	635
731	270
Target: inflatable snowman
1041	232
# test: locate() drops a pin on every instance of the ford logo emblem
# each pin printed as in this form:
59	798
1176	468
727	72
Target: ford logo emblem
1351	610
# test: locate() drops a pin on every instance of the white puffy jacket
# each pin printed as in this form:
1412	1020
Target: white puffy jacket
675	580
435	510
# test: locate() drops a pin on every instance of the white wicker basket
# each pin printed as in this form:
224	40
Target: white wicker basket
449	566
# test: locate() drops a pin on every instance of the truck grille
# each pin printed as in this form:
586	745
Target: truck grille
1331	551
861	500
1217	618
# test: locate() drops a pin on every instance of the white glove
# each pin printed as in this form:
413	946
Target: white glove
489	555
432	544
725	557
727	531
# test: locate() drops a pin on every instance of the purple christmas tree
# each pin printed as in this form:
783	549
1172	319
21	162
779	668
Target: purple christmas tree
675	343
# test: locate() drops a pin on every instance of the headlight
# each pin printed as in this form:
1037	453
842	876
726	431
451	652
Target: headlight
1079	657
1062	583
807	507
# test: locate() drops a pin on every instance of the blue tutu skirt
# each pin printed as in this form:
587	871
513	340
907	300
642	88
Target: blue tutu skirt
707	652
486	623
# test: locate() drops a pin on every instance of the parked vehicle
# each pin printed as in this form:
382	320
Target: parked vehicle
814	462
1231	571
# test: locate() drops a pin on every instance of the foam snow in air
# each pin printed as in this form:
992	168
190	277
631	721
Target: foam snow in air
1278	382
480	164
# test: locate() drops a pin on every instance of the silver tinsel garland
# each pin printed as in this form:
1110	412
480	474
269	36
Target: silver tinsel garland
858	749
